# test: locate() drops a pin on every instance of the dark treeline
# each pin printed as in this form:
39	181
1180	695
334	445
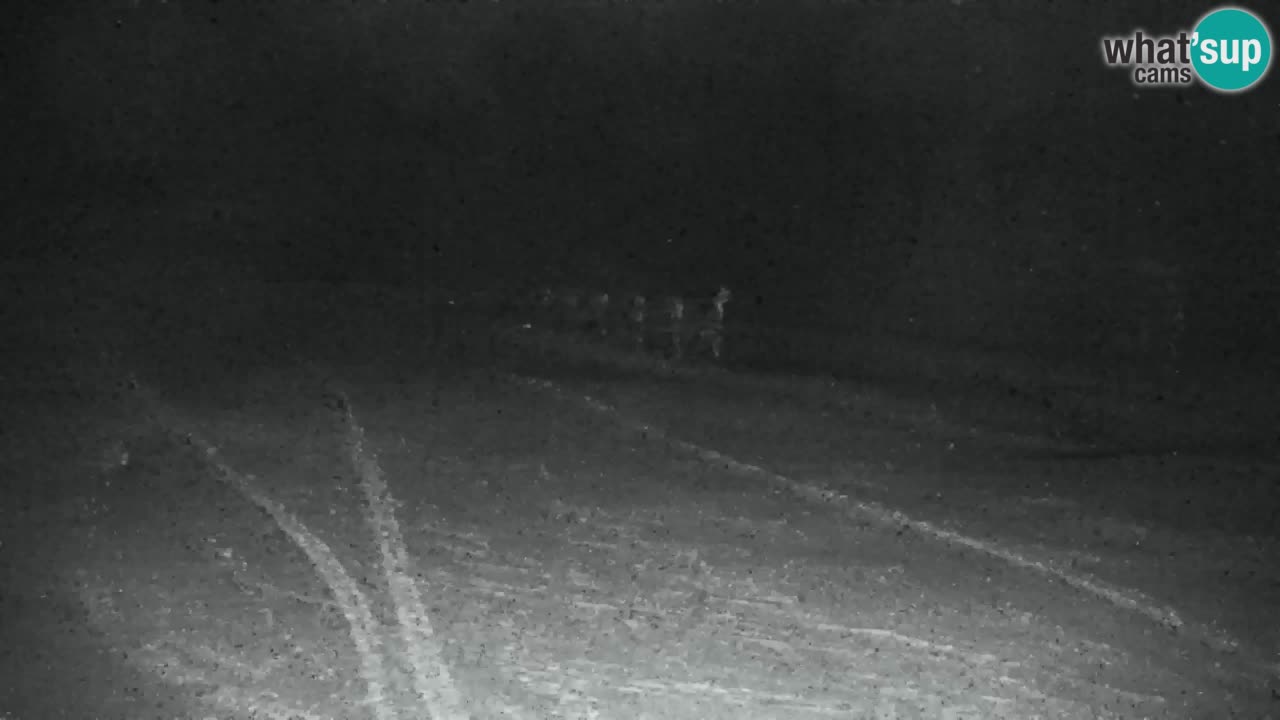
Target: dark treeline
971	169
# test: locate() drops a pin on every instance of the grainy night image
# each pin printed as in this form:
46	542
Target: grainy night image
682	359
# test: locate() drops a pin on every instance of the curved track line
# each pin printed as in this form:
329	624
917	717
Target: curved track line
431	679
364	629
1127	599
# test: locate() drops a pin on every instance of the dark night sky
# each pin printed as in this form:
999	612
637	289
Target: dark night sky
973	166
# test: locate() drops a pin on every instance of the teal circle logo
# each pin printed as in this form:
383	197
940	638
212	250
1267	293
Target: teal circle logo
1231	49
